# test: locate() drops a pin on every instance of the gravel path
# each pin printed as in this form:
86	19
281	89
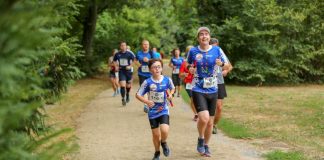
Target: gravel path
109	131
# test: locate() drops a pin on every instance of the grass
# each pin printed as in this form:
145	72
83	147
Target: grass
293	115
234	130
279	155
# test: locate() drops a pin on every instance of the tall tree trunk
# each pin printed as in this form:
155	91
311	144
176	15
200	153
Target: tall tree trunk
89	27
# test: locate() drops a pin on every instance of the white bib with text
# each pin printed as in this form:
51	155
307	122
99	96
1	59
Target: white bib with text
123	62
157	97
145	69
210	82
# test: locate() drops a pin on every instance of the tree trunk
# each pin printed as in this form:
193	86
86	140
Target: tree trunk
89	27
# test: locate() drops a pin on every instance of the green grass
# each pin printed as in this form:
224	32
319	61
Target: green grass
234	130
229	127
279	155
293	115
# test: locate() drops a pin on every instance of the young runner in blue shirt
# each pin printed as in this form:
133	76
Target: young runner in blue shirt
142	58
203	59
159	89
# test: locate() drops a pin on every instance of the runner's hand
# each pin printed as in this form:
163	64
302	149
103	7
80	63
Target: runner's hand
149	103
145	59
219	62
169	97
224	73
128	67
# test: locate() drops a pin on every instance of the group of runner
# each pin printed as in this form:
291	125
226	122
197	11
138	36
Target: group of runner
201	71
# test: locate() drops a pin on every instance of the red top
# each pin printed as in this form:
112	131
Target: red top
183	69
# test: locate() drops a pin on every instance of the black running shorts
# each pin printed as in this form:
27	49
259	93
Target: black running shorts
125	75
176	79
203	101
221	91
155	123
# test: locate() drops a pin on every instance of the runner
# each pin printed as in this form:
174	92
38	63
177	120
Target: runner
157	87
113	73
142	58
221	73
187	79
175	63
156	53
124	60
204	58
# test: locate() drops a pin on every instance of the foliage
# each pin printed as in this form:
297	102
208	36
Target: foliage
132	24
32	33
268	41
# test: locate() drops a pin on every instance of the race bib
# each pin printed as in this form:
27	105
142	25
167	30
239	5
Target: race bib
210	82
188	86
123	62
175	71
116	74
157	97
145	69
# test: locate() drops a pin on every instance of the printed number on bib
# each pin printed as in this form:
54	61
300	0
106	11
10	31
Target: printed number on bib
157	97
145	69
123	62
210	82
176	71
188	86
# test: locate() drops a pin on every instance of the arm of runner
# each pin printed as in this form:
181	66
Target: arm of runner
141	92
170	64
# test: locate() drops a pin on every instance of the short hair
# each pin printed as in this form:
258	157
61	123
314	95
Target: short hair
173	51
122	42
152	61
213	41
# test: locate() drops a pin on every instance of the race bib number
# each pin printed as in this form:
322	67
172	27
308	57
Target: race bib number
157	97
175	71
188	86
210	82
145	69
123	62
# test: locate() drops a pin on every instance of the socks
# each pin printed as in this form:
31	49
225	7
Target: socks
122	91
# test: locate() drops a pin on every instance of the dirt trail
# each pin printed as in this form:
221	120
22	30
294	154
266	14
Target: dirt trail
109	131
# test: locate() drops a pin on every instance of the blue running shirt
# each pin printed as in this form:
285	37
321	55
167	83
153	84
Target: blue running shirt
157	93
177	63
143	70
205	77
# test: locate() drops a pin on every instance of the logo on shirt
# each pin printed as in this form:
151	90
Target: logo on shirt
199	56
153	87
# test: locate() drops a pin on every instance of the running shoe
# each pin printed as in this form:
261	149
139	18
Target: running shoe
200	146
156	155
214	129
123	102
166	149
207	152
178	95
115	94
146	109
